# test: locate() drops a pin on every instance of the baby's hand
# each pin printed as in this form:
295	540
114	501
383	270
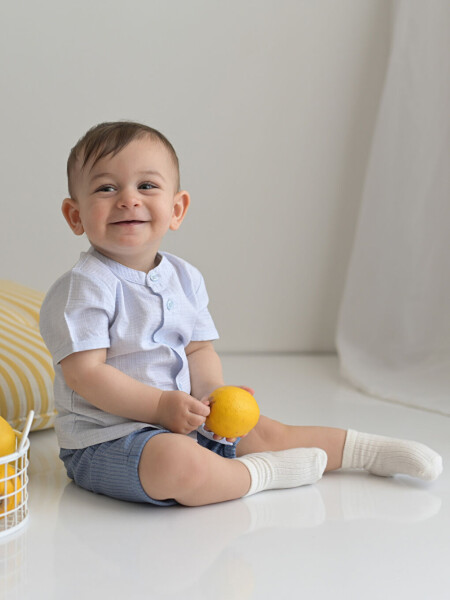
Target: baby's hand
181	413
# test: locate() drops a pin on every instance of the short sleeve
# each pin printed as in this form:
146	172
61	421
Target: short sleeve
204	328
76	315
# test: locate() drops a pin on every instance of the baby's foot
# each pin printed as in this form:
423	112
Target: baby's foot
390	456
284	469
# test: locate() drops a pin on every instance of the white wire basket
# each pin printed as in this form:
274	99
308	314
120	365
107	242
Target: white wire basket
14	486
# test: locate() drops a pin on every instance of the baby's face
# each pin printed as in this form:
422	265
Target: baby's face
126	203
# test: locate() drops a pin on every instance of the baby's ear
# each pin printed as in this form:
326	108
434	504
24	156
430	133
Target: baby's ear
181	204
71	212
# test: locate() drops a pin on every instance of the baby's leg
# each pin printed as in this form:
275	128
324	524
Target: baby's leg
347	449
175	466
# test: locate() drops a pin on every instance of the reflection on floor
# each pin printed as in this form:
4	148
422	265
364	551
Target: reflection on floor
350	536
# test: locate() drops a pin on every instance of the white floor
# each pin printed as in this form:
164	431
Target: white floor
350	536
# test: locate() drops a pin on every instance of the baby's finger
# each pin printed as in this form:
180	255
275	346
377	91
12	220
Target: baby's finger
247	389
220	437
195	421
200	408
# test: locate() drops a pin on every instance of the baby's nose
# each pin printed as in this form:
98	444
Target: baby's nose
129	198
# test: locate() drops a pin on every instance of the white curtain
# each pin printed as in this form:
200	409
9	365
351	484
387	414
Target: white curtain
393	335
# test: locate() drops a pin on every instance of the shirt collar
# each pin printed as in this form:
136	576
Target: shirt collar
155	277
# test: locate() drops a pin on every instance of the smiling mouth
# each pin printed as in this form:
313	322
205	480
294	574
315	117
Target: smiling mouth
131	222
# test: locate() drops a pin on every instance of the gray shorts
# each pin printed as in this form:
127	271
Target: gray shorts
111	468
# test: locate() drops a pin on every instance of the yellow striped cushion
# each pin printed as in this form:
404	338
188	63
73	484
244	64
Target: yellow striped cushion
26	370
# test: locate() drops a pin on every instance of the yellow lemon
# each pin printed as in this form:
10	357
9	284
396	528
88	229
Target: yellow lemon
7	438
234	412
10	490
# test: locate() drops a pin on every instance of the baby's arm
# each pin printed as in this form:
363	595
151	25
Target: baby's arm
112	391
206	373
205	369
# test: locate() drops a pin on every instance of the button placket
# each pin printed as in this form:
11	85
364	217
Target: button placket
154	282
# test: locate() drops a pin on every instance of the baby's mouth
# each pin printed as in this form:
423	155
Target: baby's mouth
130	222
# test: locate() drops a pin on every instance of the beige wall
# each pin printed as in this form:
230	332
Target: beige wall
271	107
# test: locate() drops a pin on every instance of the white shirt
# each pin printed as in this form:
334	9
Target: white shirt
145	320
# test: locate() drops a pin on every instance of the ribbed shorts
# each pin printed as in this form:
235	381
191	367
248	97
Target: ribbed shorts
111	468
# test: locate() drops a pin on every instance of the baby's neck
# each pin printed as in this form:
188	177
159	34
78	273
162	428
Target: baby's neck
145	265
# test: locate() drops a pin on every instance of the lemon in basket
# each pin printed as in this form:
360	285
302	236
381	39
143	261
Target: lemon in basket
10	489
234	412
7	438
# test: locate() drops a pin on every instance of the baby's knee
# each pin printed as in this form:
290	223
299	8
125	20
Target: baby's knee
266	435
171	465
269	431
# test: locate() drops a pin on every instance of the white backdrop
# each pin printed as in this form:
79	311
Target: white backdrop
394	330
271	106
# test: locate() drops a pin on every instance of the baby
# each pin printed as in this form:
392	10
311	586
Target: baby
132	342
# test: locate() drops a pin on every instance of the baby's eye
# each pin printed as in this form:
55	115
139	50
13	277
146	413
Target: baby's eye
106	188
147	186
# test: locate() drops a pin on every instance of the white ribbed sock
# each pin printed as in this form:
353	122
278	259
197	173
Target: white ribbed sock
284	469
389	456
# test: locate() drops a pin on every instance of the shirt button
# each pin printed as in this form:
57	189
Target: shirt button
154	276
170	304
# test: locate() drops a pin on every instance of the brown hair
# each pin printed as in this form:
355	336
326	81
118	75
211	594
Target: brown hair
111	138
